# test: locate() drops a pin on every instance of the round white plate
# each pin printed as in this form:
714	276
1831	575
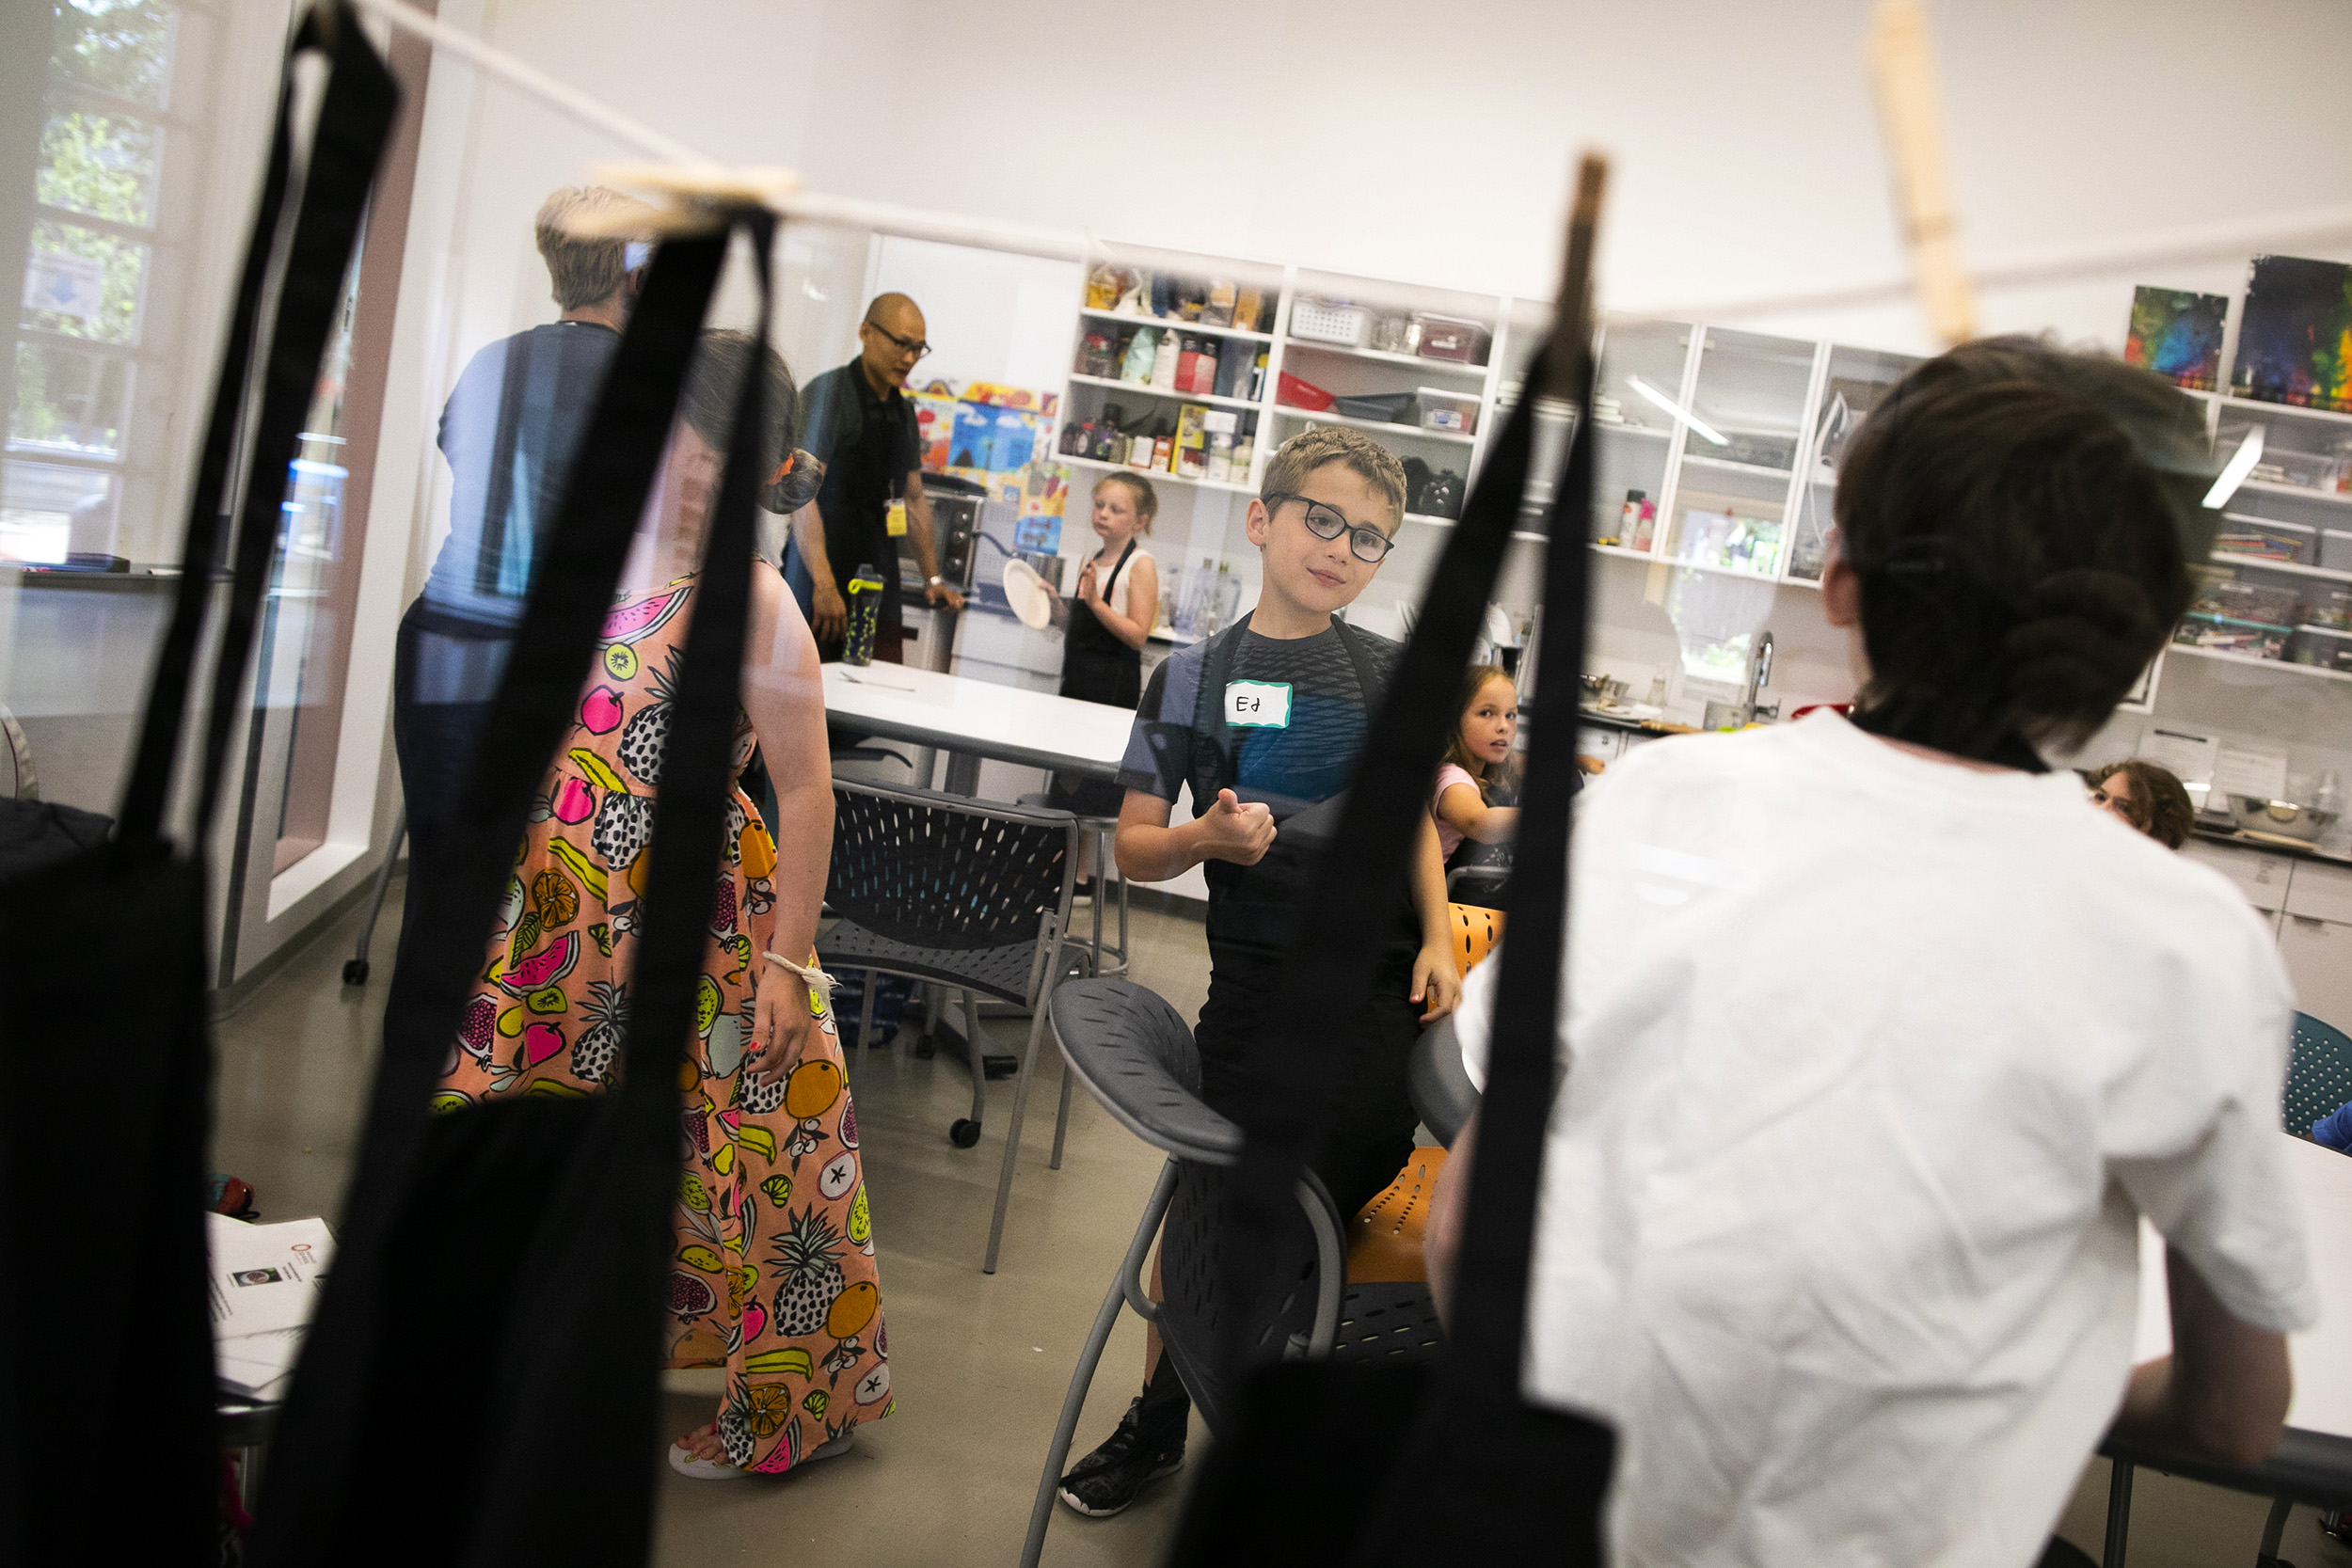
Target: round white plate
1026	593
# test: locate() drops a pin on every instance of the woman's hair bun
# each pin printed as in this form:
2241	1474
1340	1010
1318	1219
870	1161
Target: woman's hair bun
2021	520
2084	640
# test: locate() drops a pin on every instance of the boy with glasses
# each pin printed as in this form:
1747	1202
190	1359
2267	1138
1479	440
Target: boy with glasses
1262	723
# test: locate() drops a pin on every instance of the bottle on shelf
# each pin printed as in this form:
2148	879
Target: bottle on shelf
1169	354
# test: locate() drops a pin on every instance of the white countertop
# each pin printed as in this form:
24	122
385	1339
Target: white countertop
2322	1180
956	713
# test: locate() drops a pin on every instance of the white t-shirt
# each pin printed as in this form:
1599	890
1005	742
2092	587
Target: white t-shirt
1873	1062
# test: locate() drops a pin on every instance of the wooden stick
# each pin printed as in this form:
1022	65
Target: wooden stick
1572	339
1902	69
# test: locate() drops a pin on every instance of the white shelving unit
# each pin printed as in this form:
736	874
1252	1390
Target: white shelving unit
2294	437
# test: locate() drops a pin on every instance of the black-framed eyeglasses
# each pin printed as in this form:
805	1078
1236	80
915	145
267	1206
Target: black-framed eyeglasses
917	347
1364	542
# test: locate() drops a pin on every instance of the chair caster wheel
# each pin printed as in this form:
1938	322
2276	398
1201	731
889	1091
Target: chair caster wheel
355	972
964	1132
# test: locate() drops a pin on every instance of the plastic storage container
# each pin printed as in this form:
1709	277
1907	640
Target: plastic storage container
1448	411
2222	596
1384	408
2320	645
1294	393
1315	321
2261	538
2226	634
2329	608
2335	549
1451	338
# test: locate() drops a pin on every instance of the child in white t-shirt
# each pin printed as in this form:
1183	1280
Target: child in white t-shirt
1881	1038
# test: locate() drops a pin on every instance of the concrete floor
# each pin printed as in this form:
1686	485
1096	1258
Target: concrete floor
978	1363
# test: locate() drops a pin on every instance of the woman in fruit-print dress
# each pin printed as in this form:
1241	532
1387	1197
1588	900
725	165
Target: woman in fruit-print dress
772	1275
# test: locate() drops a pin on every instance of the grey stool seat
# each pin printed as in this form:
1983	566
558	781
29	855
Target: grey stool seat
1136	1056
1435	1082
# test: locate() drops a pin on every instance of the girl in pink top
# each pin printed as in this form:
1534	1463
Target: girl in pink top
1477	758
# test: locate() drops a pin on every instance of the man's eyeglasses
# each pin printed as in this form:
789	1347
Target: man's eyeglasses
915	347
1364	542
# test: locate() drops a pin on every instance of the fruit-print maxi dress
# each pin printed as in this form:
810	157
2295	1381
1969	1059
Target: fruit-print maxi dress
773	1275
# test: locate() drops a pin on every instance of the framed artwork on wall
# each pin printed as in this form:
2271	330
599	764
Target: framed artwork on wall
2295	336
2177	334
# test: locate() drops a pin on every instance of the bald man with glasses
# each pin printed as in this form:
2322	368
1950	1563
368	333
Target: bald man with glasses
859	420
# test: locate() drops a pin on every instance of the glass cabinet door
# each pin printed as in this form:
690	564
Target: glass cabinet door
1857	379
1739	457
1633	436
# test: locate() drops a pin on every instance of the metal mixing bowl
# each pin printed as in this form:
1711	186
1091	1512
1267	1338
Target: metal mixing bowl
2284	819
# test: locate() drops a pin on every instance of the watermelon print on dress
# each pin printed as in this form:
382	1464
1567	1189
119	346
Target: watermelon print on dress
550	1016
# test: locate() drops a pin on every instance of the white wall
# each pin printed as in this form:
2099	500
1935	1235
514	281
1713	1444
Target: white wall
1390	138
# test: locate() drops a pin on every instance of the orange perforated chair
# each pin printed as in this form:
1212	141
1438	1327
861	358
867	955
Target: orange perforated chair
1476	930
1384	1239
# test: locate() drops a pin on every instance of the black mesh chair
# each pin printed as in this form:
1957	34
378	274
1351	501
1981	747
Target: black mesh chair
972	897
1134	1055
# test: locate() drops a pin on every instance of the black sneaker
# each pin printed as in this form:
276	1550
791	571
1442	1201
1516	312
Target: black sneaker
1107	1481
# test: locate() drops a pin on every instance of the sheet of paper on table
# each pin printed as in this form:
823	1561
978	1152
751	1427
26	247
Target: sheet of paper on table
2185	754
2250	771
265	1282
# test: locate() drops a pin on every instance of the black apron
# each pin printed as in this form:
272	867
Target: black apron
1096	666
869	486
108	1444
1258	906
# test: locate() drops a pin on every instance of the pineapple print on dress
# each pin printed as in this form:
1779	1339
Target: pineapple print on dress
807	1261
646	736
772	1275
597	1051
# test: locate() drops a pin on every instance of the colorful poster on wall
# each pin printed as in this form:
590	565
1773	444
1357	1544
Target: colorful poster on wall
935	421
999	437
2294	335
2177	334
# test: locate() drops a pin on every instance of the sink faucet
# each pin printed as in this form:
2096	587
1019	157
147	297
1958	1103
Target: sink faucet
1760	676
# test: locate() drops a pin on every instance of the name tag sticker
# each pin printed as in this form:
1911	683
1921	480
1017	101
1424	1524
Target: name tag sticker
895	521
1258	704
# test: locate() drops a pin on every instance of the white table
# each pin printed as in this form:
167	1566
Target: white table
971	720
2314	1459
2321	1180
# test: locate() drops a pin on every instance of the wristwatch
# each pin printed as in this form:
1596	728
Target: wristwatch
936	581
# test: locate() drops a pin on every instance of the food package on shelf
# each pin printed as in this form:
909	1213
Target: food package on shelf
1192	441
1218	310
1096	355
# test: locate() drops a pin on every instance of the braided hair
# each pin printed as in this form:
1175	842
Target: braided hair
2019	519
